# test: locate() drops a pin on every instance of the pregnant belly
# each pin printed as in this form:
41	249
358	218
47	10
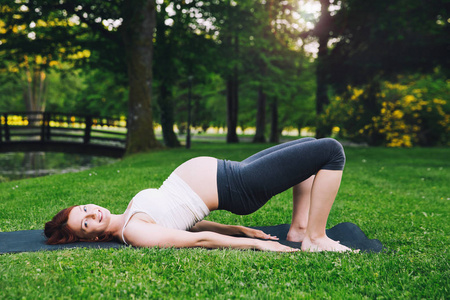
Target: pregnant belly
200	174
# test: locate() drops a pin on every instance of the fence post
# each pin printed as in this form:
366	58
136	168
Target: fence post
7	137
45	128
87	129
1	131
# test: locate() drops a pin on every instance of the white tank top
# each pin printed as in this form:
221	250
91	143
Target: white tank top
174	205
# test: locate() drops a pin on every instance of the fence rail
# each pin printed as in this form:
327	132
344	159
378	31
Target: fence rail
51	131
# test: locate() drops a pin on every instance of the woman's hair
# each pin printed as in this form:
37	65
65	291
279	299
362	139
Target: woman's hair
57	231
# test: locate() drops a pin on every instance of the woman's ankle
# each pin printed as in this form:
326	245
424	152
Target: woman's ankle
296	234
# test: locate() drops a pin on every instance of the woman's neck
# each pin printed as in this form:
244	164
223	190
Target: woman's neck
116	225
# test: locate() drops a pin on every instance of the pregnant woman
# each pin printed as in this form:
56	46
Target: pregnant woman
172	215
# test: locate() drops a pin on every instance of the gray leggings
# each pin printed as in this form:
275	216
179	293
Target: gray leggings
245	186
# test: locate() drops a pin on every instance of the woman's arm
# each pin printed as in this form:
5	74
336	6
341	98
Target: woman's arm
143	234
231	230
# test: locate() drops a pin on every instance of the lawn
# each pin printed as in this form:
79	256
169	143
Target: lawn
399	196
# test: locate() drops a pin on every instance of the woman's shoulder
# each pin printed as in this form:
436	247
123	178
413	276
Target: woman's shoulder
141	217
135	228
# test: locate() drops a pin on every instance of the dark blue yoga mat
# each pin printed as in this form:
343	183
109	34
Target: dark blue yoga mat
34	240
348	234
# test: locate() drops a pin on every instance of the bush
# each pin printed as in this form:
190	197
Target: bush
403	114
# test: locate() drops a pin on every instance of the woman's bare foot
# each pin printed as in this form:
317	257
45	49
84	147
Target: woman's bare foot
323	244
296	234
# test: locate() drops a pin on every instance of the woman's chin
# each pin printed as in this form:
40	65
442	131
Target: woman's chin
106	215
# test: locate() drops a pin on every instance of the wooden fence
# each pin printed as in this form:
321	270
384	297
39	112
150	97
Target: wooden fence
50	131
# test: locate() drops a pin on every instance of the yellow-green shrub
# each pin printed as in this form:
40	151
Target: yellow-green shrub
413	111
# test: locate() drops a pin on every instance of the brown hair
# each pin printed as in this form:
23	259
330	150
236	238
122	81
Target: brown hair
57	231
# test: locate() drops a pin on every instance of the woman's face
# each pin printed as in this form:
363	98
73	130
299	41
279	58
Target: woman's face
89	221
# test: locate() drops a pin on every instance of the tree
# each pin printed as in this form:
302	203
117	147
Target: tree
380	40
32	72
165	69
106	29
322	32
231	46
137	33
29	66
232	19
184	49
271	61
385	38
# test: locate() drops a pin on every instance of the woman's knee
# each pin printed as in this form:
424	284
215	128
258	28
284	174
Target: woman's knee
337	154
333	144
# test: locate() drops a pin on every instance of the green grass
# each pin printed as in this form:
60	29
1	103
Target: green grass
399	196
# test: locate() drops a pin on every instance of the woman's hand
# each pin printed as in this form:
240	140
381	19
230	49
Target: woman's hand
275	246
255	233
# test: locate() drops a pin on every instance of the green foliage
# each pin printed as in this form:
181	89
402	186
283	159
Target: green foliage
63	88
253	39
254	44
75	91
399	196
208	102
26	29
386	38
43	43
413	111
258	41
104	94
11	92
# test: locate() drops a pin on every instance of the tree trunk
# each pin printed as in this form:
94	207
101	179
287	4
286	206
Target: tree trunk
274	132
165	102
232	110
260	117
35	94
322	32
36	89
233	97
371	107
138	27
164	71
